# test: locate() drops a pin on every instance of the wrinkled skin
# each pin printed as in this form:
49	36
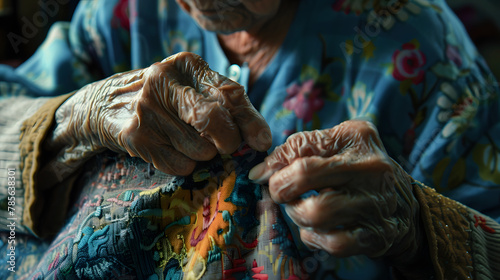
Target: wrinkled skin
171	114
228	16
364	205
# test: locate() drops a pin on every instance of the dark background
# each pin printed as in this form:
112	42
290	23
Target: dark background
11	14
480	17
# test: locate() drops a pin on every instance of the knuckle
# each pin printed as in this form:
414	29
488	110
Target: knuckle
297	138
131	130
370	242
314	137
202	115
233	96
365	127
182	57
306	144
155	69
192	60
145	100
353	131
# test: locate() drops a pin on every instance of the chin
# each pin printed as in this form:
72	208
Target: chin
225	24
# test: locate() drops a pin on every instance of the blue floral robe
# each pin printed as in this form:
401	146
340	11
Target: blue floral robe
409	68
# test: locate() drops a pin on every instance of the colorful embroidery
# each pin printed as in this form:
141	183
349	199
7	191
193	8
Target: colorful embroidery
134	222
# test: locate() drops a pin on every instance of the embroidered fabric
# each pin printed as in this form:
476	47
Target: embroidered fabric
131	220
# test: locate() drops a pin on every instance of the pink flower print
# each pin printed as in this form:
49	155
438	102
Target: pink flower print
121	12
304	100
408	64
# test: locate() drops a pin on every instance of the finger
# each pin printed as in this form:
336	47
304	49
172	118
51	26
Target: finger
356	134
230	95
189	142
357	137
164	158
302	175
331	210
142	141
171	161
211	120
341	171
215	123
299	145
253	128
367	240
176	93
156	122
184	138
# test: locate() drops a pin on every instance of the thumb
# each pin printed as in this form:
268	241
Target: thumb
192	71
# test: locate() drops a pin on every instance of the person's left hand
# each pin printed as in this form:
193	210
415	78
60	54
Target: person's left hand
364	204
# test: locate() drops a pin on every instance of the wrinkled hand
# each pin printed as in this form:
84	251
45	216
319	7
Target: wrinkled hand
364	204
171	114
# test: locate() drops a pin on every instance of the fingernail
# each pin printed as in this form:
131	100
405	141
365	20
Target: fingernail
265	140
257	172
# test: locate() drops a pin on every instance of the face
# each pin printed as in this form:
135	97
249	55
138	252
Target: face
228	16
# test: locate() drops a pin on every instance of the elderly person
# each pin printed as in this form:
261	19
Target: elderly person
361	104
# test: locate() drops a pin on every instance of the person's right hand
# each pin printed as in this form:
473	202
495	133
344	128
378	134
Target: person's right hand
171	114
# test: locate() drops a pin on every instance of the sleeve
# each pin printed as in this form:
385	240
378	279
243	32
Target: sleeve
74	54
42	177
13	111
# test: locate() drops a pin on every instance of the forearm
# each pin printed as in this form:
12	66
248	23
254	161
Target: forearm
71	139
